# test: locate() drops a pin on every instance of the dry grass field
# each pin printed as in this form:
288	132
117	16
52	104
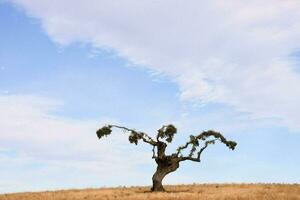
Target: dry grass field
182	192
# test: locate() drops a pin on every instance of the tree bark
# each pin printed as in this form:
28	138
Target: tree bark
164	167
157	180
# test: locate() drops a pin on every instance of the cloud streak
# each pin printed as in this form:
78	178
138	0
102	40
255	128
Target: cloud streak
234	52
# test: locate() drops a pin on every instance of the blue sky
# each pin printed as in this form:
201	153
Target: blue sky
65	74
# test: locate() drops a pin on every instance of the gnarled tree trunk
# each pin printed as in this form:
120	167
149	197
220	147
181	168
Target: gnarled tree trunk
164	167
157	180
169	163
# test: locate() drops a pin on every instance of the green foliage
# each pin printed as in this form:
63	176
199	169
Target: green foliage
167	132
134	137
231	145
104	131
204	135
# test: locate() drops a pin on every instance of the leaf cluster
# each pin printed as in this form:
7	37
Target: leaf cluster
230	144
104	131
134	137
167	131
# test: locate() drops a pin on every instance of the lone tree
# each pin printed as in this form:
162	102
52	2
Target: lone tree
169	163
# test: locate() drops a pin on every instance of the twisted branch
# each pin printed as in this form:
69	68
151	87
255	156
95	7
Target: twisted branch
194	141
167	132
133	138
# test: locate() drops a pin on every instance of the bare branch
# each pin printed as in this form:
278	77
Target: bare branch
133	137
194	141
197	159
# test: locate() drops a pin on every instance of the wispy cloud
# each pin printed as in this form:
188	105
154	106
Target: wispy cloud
37	147
234	52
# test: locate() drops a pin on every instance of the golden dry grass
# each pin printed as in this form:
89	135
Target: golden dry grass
180	192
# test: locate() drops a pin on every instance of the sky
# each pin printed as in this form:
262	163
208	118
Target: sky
69	67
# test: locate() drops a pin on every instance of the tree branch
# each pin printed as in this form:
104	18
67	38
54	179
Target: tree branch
134	137
197	159
194	141
153	152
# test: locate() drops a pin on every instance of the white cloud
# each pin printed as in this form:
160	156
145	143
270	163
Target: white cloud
39	148
231	52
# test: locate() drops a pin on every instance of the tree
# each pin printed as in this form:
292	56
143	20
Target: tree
169	163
